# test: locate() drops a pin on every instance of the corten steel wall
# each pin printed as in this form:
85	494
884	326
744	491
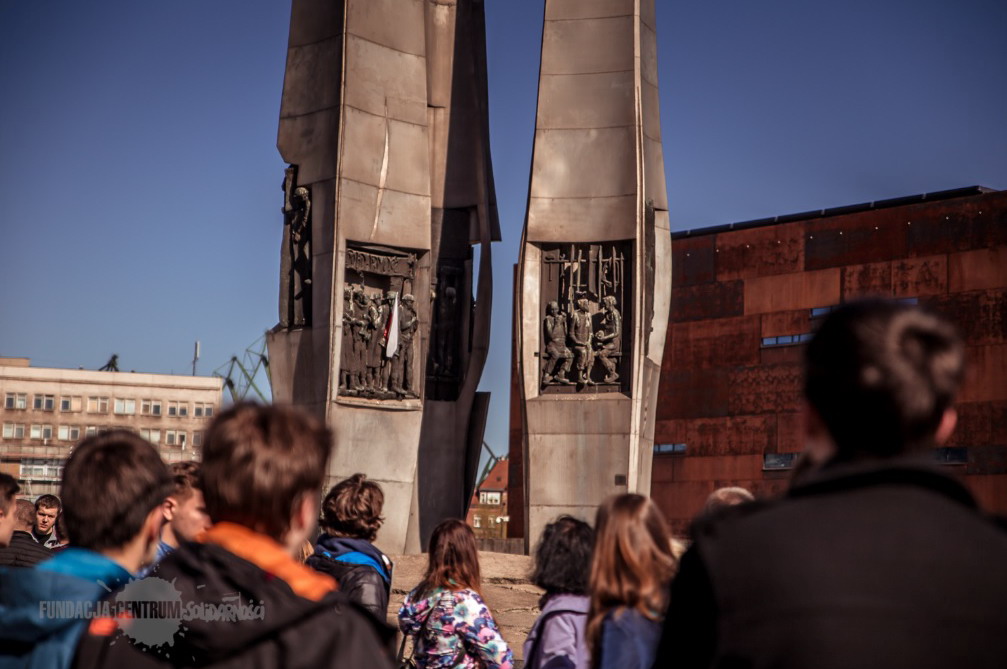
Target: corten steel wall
731	400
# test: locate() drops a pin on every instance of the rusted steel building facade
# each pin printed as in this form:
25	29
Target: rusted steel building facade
746	297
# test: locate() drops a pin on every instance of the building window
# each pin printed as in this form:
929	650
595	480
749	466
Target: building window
178	409
68	433
97	405
197	438
16	401
786	340
45	402
477	521
150	407
174	438
45	470
777	461
13	430
663	449
125	407
70	403
90	431
201	410
949	455
153	436
41	431
486	497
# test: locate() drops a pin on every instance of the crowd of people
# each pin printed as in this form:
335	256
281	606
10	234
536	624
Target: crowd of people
873	558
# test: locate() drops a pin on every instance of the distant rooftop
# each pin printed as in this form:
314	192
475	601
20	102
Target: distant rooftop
967	191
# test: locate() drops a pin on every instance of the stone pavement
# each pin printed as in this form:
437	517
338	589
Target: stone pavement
506	589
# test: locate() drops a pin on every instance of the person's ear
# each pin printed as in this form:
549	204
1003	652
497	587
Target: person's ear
169	508
818	444
946	427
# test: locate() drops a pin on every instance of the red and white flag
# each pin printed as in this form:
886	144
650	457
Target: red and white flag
392	331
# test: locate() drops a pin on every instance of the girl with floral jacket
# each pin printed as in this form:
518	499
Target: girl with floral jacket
452	626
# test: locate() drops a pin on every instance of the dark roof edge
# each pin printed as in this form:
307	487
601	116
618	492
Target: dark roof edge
838	211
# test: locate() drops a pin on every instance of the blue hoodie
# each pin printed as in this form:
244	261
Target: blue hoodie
31	636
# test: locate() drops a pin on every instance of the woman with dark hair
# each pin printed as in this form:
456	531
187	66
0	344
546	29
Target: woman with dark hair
351	518
557	640
451	623
630	574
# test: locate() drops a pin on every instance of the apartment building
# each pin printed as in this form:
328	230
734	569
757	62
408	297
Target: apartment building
46	411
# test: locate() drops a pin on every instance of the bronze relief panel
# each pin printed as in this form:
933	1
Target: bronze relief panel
380	324
586	317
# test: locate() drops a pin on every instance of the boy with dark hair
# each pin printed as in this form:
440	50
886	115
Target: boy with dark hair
47	510
262	473
23	550
113	487
876	557
8	489
351	518
184	511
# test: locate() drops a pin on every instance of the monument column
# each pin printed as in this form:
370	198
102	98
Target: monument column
595	268
376	254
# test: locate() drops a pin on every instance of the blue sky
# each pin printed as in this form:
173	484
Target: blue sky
140	183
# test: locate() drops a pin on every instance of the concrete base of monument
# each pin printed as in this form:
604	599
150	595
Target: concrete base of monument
506	588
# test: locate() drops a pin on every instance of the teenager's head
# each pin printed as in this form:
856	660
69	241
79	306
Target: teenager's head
47	510
353	509
263	468
24	516
881	377
8	489
452	559
633	561
563	557
185	510
726	497
113	487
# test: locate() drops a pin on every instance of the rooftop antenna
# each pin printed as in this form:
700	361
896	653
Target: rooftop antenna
195	357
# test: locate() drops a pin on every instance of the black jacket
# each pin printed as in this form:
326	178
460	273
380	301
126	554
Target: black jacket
281	628
361	583
23	551
872	565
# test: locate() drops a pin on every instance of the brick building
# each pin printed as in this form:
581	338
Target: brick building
487	514
46	411
747	296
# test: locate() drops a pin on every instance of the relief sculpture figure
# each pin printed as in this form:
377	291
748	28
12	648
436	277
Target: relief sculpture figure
346	351
580	335
402	364
377	314
609	338
297	218
556	351
361	337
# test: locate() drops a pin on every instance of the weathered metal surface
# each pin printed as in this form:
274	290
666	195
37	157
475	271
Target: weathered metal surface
732	435
783	292
693	261
977	270
704	301
872	236
980	315
765	389
969	223
760	251
724	342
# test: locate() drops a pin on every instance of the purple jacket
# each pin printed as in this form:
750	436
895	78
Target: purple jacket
564	640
